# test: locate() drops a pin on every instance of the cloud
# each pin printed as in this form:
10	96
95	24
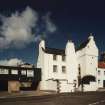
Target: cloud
38	38
50	26
16	30
46	27
11	62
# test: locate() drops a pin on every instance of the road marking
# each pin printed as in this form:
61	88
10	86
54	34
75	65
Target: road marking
97	103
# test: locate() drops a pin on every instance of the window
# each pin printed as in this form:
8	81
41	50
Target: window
54	68
63	69
98	72
14	71
54	57
98	81
79	70
30	73
104	72
3	71
75	81
63	58
23	72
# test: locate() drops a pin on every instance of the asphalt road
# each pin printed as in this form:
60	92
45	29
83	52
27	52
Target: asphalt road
89	98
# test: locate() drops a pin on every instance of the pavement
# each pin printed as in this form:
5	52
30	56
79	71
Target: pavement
5	94
80	98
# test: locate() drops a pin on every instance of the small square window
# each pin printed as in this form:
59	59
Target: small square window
30	73
23	72
98	72
55	68
63	57
98	81
75	81
63	69
54	57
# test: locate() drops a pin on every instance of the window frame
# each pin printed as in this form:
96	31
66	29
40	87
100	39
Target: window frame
104	72
55	69
63	58
30	73
24	72
4	71
54	57
99	72
64	69
14	72
99	81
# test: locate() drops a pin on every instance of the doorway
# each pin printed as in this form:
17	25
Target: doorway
3	85
104	83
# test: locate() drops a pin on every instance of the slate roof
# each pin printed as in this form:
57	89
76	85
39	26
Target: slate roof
61	51
83	45
54	51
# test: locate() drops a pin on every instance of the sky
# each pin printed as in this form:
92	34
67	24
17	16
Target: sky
24	22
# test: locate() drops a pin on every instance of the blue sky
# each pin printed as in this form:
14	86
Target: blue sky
58	20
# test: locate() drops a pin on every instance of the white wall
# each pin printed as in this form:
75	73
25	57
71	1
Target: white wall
91	87
87	58
81	58
72	65
100	77
46	62
66	87
91	57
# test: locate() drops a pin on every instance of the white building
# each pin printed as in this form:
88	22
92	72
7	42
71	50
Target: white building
101	72
70	69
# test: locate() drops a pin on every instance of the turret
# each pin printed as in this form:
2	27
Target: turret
91	37
42	44
71	62
91	48
69	48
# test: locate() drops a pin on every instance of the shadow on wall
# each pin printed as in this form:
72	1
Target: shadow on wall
87	79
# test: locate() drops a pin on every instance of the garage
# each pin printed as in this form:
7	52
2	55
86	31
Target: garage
3	85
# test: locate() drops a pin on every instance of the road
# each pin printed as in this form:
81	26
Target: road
89	98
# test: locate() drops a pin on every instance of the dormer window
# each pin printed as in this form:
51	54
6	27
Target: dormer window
54	57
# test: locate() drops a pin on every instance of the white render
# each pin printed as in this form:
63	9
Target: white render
101	77
86	58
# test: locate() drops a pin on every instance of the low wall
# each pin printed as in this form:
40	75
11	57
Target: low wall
13	86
